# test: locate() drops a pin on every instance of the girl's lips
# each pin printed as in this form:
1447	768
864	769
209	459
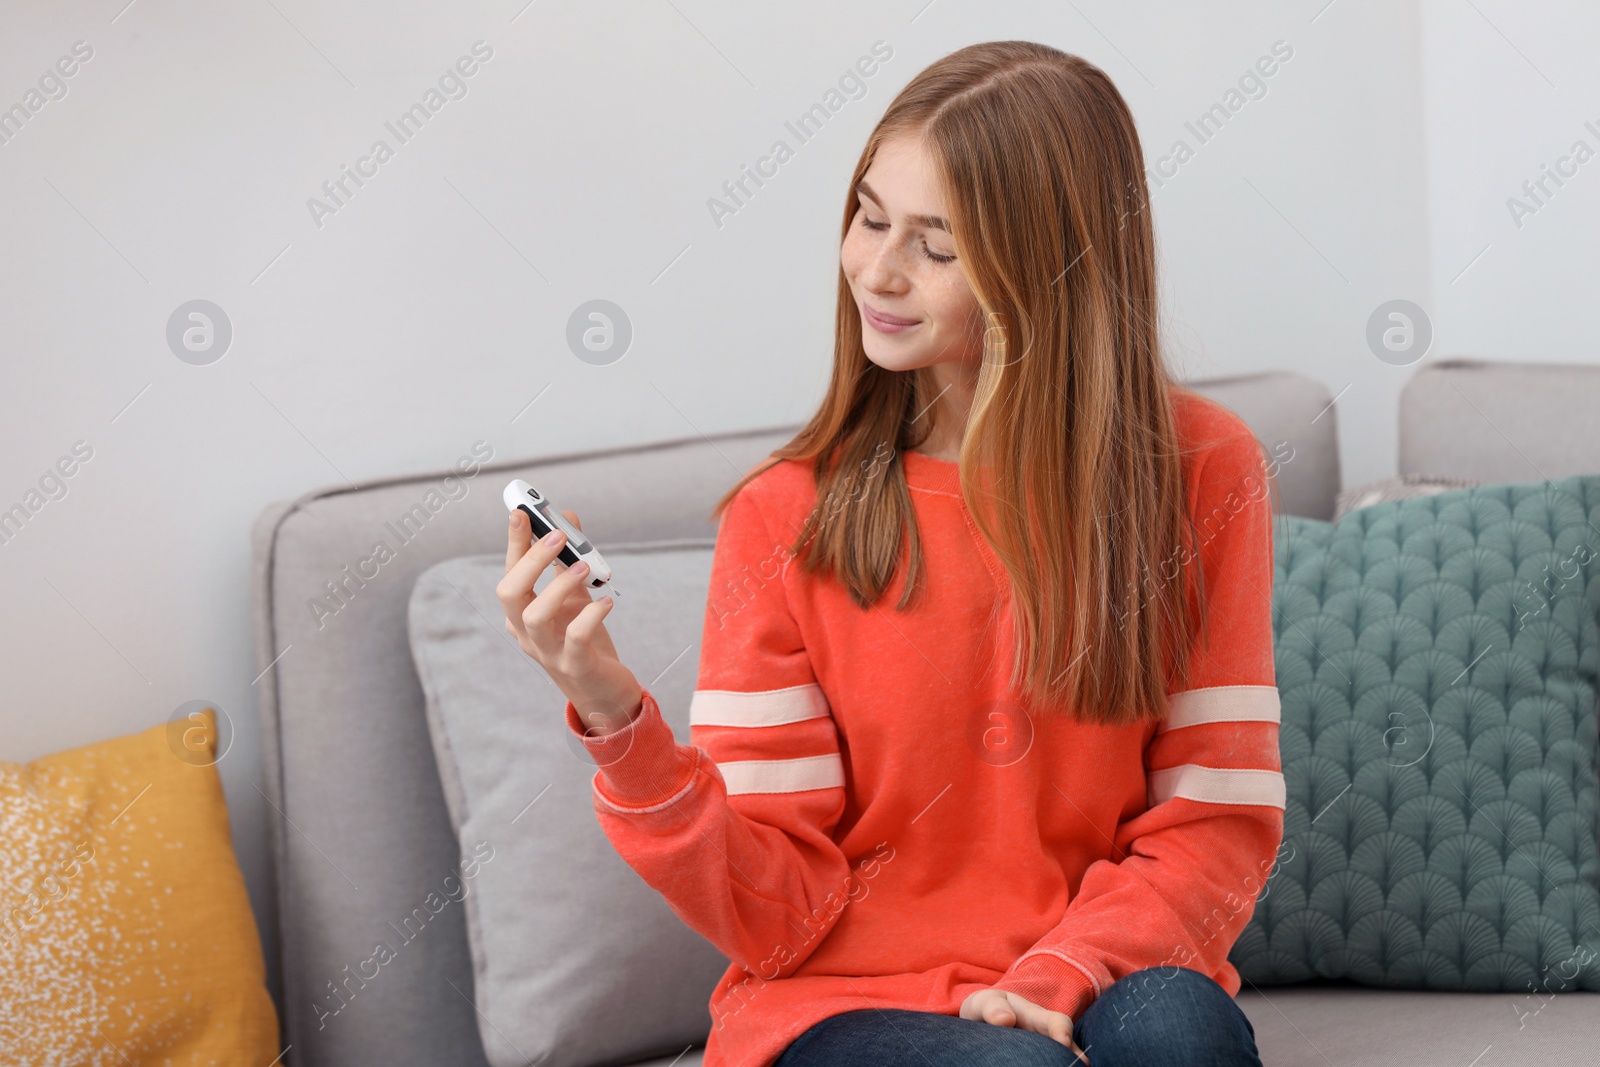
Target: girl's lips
885	323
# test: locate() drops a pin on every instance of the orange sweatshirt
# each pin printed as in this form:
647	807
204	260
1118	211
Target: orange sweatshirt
865	819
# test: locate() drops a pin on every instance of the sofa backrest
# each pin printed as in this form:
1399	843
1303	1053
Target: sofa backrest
359	831
1501	422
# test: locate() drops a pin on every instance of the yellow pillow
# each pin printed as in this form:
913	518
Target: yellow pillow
125	932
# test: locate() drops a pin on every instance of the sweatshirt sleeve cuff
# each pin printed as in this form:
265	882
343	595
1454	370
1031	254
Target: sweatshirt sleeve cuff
642	765
1050	982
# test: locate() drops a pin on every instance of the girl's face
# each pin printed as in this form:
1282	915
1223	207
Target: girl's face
899	257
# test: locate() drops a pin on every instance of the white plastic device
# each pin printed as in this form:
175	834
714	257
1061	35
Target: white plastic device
520	496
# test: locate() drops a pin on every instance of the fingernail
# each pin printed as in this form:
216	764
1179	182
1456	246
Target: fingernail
550	538
579	567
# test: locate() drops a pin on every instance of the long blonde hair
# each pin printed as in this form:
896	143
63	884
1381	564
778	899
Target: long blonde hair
1071	438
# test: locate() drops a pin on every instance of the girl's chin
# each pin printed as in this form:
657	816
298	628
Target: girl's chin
896	361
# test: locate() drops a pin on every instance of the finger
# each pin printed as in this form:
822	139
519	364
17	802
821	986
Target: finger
553	606
584	627
999	1012
1041	1020
572	517
516	588
972	1007
1058	1028
1031	1016
518	540
517	543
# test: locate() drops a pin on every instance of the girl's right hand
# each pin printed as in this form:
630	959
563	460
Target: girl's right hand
1002	1007
562	629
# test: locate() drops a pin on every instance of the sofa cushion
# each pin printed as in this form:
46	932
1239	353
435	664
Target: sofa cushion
1438	661
1322	1023
575	959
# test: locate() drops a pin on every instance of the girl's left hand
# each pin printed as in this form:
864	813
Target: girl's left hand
1004	1008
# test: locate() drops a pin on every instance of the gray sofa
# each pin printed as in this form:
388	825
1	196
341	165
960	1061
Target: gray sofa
361	831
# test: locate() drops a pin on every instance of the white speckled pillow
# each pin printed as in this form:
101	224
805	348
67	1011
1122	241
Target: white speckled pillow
1406	487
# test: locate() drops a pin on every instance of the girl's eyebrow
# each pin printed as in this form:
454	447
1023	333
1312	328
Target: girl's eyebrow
931	221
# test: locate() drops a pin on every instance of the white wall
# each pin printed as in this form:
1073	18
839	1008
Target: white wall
431	308
1510	88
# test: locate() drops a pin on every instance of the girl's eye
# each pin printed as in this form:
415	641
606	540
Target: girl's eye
869	224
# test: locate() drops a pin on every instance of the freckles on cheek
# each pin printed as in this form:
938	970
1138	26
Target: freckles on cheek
955	308
851	266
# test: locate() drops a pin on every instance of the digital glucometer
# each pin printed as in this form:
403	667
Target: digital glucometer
520	496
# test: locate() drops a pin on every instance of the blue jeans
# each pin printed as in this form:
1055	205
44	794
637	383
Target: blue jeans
1160	1017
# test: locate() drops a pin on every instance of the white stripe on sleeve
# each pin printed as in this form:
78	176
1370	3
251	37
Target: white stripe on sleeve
783	775
770	707
1216	785
1223	703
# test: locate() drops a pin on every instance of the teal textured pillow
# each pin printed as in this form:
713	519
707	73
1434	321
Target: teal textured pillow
1438	661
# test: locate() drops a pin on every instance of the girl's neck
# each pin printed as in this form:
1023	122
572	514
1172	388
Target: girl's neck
953	385
944	455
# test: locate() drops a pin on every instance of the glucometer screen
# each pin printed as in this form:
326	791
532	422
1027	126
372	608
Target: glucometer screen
575	536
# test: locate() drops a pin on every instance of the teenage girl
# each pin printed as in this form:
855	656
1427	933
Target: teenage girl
985	758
